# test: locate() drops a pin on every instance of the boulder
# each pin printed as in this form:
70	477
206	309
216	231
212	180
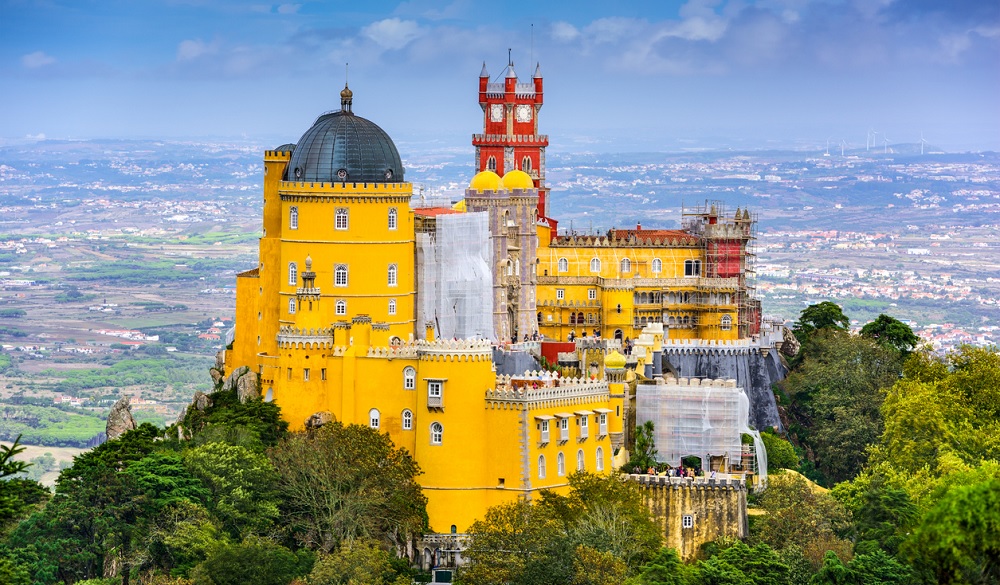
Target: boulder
231	379
216	375
120	419
318	419
220	360
247	387
201	401
790	344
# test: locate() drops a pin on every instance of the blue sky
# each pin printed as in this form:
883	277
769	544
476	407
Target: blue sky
619	75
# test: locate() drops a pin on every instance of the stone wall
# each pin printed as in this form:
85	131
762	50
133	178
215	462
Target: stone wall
717	508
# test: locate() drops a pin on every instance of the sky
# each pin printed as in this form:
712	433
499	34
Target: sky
619	76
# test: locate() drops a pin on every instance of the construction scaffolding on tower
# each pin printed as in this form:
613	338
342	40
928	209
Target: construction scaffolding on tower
729	243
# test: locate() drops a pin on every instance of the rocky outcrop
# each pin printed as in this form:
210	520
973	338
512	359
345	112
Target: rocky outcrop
318	419
201	401
244	382
790	344
120	419
754	370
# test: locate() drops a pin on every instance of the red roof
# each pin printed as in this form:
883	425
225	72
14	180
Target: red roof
434	211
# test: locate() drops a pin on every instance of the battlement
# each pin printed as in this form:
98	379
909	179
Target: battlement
353	189
726	482
564	391
706	382
526	139
455	349
606	242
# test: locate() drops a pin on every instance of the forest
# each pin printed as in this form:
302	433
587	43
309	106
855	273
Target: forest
888	472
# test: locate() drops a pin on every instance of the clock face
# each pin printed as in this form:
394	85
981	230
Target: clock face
523	113
496	113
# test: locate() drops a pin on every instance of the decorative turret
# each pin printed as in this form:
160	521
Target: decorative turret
346	99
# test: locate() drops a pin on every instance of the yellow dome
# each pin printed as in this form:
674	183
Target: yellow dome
614	360
485	181
517	180
460	206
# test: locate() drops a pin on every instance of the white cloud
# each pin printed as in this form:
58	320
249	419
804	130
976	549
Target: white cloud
37	59
289	8
564	32
392	33
192	49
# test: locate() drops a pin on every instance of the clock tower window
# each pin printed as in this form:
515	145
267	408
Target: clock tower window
491	164
526	164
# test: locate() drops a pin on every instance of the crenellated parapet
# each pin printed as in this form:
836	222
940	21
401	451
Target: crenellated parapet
709	346
706	382
290	337
512	391
404	351
632	242
455	350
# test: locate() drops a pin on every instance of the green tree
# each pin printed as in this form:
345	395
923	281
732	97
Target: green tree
345	482
959	538
836	393
644	455
824	315
360	562
666	568
518	542
740	564
254	561
882	513
243	484
892	332
594	567
259	422
802	514
780	453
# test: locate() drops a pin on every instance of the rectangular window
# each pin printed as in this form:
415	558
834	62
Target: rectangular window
293	218
392	218
322	374
435	391
592	294
340	222
544	438
560	293
687	521
305	374
584	427
564	429
692	268
602	423
289	373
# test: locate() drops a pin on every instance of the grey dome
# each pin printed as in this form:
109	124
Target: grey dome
342	147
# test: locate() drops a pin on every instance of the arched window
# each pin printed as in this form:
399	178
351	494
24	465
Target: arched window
293	273
541	467
392	306
374	418
437	433
340	221
626	265
409	378
600	459
393	219
341	307
340	275
392	275
561	465
657	266
580	463
293	218
291	306
563	265
595	265
407	420
726	322
491	164
526	164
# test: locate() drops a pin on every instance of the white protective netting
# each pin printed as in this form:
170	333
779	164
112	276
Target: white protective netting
454	279
701	418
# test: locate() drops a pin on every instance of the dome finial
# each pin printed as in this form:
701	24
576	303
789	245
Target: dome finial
346	95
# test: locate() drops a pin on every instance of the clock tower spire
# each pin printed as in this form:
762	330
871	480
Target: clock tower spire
510	138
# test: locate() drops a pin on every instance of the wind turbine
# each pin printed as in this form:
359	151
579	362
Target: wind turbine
827	147
843	143
922	142
885	144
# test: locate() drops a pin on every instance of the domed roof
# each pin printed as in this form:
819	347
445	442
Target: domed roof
341	147
517	180
614	361
485	181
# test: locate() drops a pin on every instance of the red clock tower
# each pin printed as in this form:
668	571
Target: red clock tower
510	138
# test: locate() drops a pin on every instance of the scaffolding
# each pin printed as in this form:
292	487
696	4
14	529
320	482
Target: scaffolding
701	418
729	242
455	280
